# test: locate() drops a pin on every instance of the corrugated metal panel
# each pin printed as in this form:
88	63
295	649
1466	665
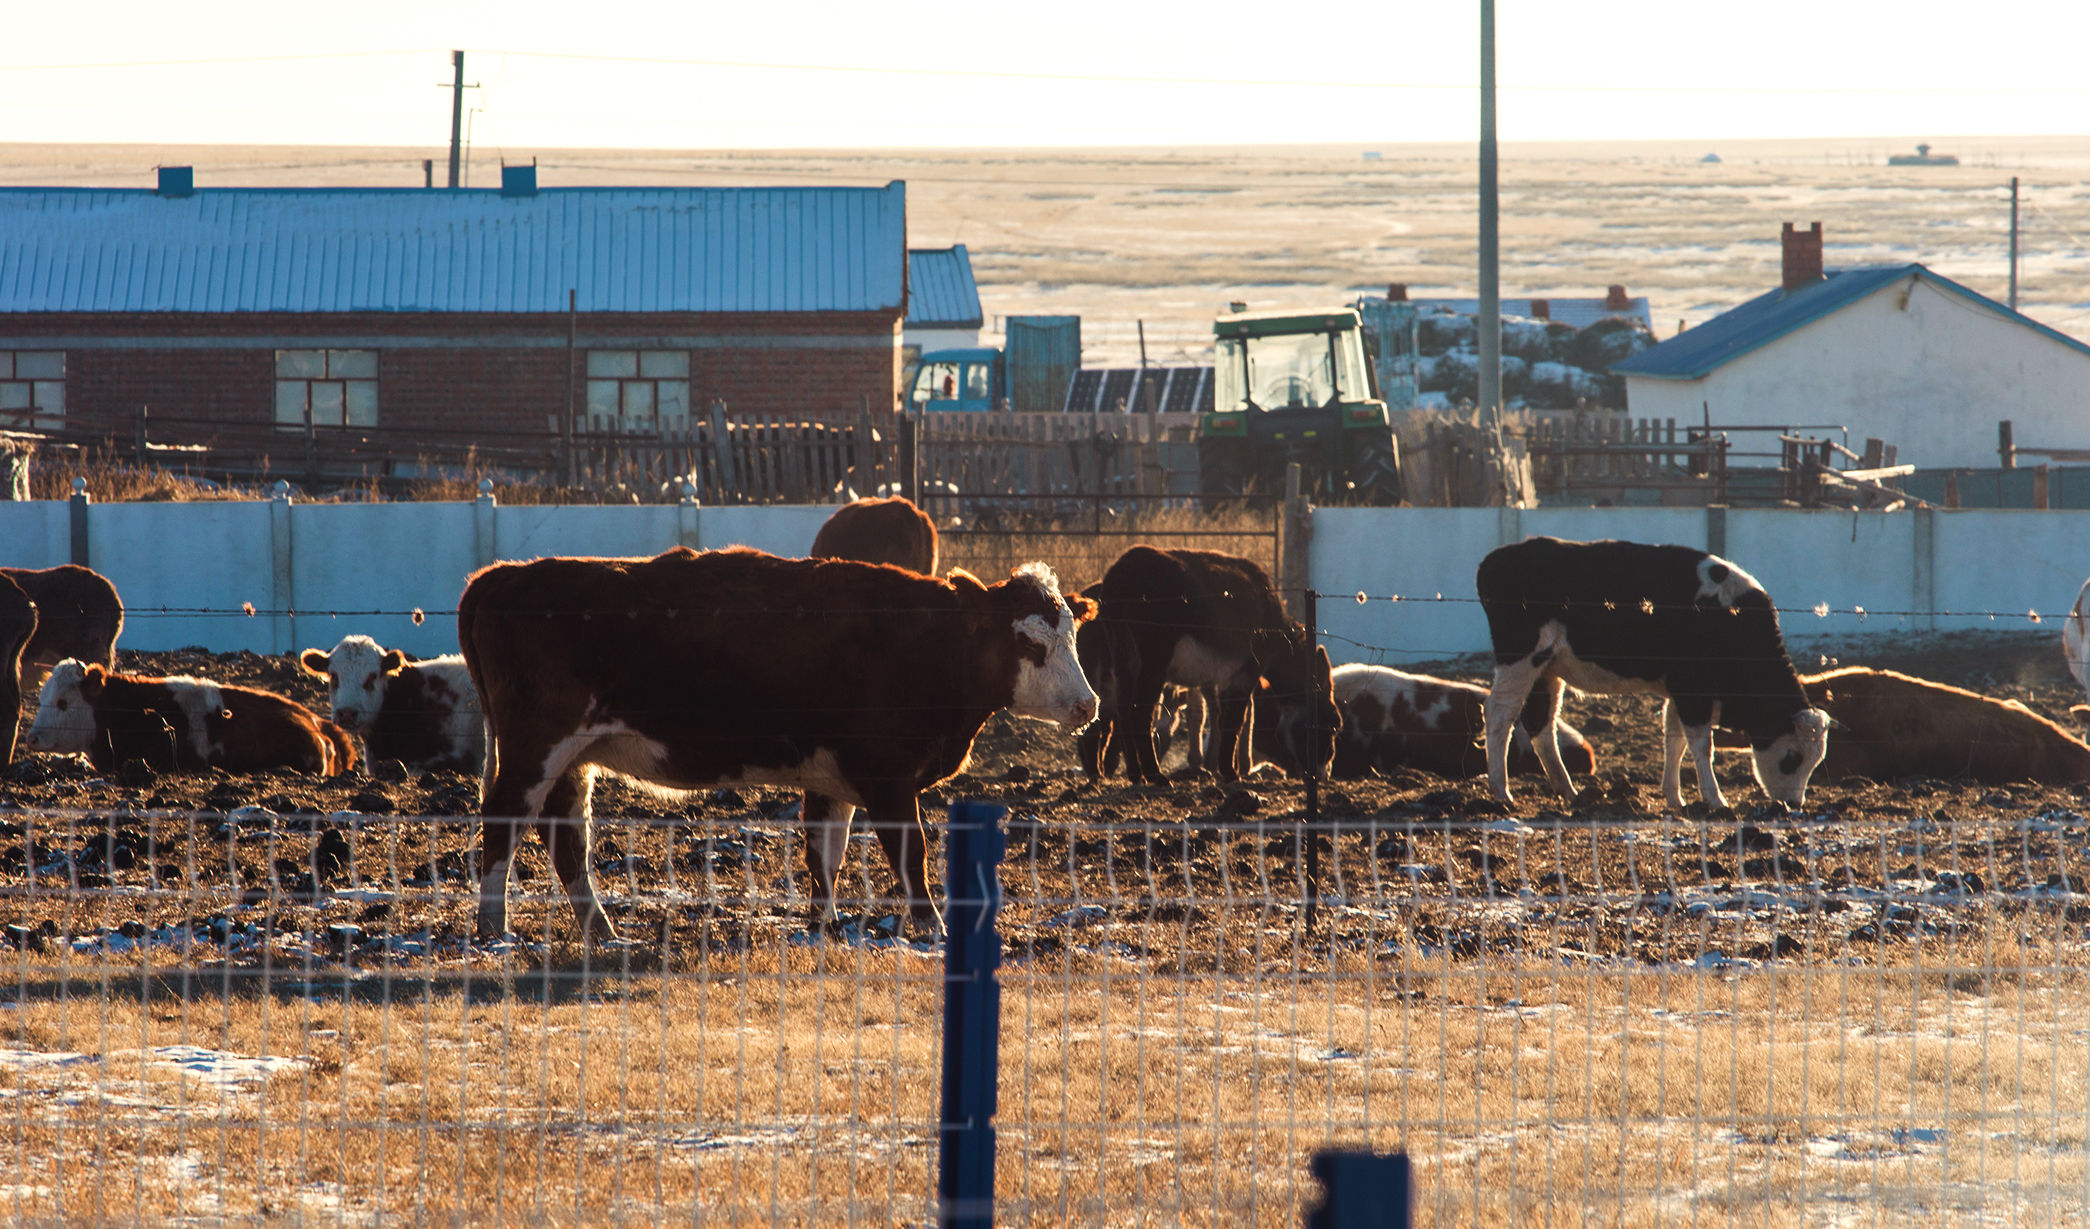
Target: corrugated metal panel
470	250
940	290
1043	353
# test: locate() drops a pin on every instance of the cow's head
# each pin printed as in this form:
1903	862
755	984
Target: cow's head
65	708
1784	764
355	672
1049	684
1299	694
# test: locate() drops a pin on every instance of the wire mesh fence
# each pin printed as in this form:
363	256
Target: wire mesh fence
1867	1011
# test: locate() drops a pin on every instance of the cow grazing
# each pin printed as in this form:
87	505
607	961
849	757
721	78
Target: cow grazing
2075	646
879	531
1205	619
1394	719
860	683
1890	726
425	714
179	724
78	614
17	630
1669	620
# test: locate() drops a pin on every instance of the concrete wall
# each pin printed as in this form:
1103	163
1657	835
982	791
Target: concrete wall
316	572
1909	571
1912	364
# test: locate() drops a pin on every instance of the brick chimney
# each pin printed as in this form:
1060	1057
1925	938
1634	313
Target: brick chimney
1542	309
1802	257
1616	300
1397	292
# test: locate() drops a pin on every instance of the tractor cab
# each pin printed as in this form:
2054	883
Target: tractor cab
1296	386
967	380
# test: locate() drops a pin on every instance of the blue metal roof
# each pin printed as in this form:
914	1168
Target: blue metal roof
453	250
940	289
1696	353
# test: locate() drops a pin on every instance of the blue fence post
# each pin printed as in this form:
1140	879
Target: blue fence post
1363	1190
973	847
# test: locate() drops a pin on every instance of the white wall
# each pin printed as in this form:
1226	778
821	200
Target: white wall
319	571
1921	368
1910	571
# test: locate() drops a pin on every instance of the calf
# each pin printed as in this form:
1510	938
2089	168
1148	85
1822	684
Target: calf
1393	719
879	531
1205	619
78	613
860	683
17	630
1890	726
1626	617
181	724
424	714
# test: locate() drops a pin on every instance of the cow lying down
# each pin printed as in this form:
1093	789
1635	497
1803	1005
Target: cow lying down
1891	726
177	724
1394	719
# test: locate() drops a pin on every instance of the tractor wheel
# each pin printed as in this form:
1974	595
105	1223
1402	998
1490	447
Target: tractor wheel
1375	474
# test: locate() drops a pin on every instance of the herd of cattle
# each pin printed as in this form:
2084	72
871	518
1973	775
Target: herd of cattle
860	677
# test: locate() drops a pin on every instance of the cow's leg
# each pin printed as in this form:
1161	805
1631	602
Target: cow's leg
1192	726
1093	747
1696	719
1672	757
827	822
516	792
1135	720
1541	722
898	822
1229	722
1513	682
569	831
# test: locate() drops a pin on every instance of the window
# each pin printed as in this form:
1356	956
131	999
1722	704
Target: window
32	380
338	386
637	389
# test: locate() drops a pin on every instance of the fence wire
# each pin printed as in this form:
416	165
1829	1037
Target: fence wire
255	1011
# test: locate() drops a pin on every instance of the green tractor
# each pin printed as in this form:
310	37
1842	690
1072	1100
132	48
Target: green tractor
1292	386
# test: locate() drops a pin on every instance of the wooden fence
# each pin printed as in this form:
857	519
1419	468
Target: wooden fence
1060	454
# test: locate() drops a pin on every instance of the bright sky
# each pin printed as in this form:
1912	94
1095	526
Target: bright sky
826	73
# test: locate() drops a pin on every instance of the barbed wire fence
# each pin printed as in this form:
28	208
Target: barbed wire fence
254	1010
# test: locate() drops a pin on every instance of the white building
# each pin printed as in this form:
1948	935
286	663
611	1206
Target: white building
1895	352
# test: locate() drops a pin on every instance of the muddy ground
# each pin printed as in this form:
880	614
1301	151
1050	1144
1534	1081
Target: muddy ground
285	871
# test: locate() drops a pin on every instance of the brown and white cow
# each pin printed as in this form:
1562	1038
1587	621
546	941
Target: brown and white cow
876	530
1891	726
1613	617
1395	719
78	614
1206	619
178	724
17	630
424	714
861	683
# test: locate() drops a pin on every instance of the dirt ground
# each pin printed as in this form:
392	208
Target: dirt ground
377	870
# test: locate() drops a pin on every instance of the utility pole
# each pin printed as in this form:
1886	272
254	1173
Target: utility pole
1489	318
457	111
2013	243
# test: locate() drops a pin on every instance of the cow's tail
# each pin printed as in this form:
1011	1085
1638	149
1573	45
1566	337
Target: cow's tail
343	747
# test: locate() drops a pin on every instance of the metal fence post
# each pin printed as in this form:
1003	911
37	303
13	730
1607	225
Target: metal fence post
283	576
484	547
79	503
973	847
1311	825
1363	1190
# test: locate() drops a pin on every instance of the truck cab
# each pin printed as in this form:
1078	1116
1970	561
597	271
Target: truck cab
968	380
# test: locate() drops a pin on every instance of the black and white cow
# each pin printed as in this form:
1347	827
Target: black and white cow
425	714
1677	622
2075	646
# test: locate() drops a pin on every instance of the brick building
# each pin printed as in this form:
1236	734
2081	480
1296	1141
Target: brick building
446	311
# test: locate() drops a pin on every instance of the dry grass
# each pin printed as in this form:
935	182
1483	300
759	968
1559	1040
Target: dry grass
798	1085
